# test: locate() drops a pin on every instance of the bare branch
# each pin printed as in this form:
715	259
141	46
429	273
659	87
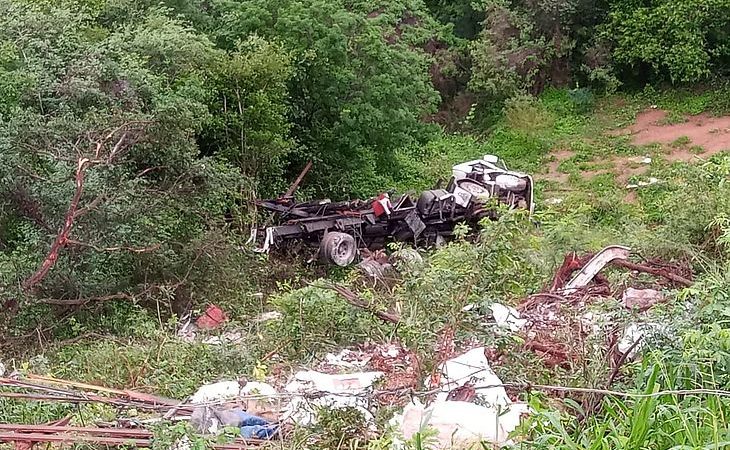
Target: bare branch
30	173
117	146
654	271
92	205
355	300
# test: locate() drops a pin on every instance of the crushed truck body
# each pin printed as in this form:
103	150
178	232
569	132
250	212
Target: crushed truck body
338	229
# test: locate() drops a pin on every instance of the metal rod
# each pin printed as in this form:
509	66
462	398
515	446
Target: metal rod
299	179
107	436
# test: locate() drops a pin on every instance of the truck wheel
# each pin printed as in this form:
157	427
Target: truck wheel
338	249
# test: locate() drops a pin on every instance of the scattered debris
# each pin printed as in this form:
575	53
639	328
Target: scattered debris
641	299
401	368
375	265
471	407
407	259
254	397
348	359
337	391
268	316
211	420
459	424
227	338
595	265
465	401
639	184
557	322
507	317
212	318
635	334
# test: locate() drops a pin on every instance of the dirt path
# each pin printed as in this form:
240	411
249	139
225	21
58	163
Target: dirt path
703	130
697	136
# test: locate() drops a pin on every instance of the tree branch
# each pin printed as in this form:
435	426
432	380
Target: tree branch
62	236
355	300
654	271
92	204
83	301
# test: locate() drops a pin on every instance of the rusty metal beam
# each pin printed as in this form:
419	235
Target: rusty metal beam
104	436
129	432
299	179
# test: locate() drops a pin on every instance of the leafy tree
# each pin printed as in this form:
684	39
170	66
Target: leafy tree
358	91
101	185
683	41
249	124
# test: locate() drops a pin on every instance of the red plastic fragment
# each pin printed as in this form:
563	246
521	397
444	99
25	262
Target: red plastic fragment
212	318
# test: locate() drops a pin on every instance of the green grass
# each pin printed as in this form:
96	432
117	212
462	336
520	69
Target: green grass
680	142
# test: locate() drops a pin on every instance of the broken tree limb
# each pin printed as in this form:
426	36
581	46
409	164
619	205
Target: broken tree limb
355	300
63	234
653	271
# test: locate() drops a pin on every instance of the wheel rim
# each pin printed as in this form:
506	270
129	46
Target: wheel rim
342	253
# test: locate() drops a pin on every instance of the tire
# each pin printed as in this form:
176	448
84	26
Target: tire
338	249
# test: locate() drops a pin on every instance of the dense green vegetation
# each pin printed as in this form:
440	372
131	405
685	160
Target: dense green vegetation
135	133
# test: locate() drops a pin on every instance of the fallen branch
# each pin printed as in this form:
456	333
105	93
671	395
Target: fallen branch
653	271
355	300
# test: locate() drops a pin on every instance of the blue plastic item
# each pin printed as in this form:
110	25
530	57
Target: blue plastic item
255	426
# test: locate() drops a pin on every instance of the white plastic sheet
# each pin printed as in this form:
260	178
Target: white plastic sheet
461	424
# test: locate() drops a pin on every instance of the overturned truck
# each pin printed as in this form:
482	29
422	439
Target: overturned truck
339	229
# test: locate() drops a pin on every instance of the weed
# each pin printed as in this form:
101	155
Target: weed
526	114
681	141
583	100
163	365
316	320
339	428
697	149
673	118
720	101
